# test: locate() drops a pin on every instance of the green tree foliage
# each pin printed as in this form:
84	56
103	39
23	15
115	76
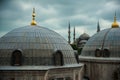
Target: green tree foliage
79	50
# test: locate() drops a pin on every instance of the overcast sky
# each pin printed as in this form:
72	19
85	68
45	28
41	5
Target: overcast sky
55	15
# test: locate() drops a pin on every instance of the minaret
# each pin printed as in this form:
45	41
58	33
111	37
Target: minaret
98	27
69	33
74	35
33	18
115	24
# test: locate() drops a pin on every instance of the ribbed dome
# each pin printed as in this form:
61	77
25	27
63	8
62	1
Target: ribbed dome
108	39
37	45
84	36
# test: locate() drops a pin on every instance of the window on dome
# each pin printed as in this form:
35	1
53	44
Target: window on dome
58	58
97	53
16	59
106	53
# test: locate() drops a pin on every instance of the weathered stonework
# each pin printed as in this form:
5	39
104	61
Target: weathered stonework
101	69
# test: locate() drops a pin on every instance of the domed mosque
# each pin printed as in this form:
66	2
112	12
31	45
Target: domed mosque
81	41
101	54
36	53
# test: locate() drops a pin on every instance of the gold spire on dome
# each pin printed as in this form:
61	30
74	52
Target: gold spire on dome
33	18
115	24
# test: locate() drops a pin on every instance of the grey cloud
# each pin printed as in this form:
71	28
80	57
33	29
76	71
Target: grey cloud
12	13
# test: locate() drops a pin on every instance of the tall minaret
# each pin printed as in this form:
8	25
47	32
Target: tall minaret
74	35
98	27
69	33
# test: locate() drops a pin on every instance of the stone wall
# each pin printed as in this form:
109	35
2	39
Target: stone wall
101	70
66	74
22	75
74	73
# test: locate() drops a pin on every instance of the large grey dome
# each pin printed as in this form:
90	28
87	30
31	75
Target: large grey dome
108	40
37	45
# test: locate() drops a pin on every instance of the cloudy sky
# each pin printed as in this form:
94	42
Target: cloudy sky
55	14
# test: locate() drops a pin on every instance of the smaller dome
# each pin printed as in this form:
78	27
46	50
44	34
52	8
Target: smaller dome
106	43
84	36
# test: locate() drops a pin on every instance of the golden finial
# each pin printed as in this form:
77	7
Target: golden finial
33	18
115	24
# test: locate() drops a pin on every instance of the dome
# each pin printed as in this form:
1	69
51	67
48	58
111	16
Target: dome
105	43
84	36
37	44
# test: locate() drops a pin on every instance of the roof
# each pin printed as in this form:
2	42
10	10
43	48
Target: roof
37	45
105	39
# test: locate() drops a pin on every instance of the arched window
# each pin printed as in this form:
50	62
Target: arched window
16	58
98	53
58	58
106	53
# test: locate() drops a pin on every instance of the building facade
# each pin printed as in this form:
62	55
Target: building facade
101	54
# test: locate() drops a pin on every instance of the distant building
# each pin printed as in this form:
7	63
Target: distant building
101	54
78	43
37	53
81	41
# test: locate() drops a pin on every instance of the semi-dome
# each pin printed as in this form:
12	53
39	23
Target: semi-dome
106	41
84	36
